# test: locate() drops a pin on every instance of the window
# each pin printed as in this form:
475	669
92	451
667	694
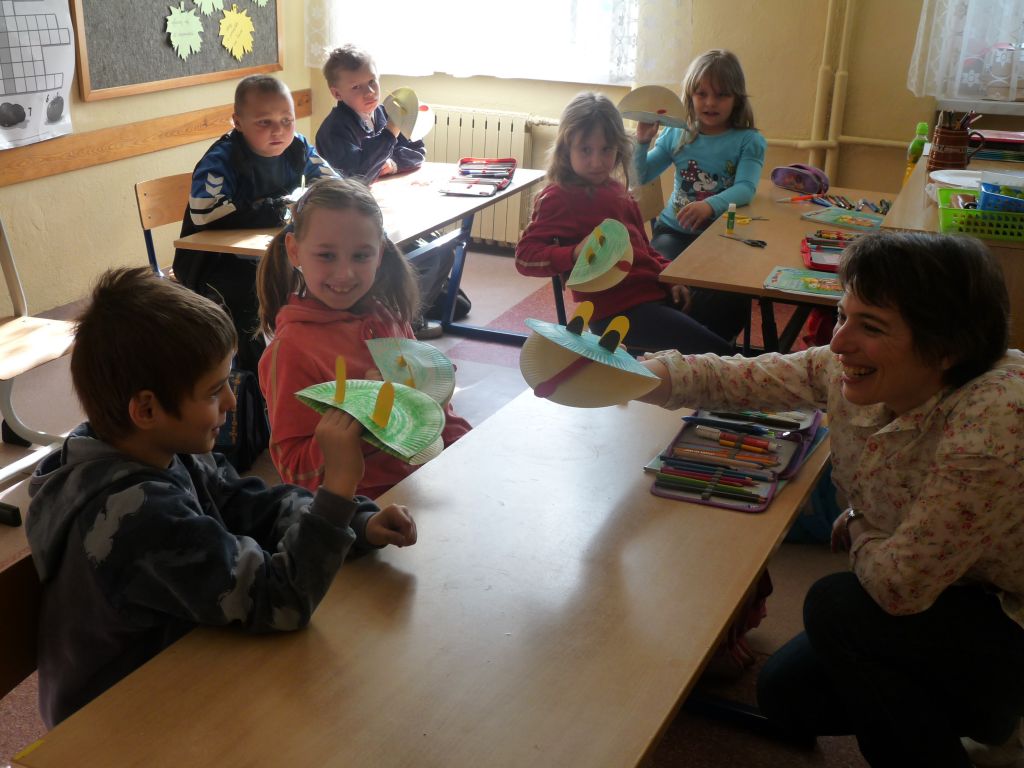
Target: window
969	50
583	41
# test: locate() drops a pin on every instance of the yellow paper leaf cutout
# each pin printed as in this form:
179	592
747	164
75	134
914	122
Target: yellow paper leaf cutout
236	32
340	377
385	402
185	30
207	7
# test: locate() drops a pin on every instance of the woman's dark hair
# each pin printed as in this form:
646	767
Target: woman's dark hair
949	289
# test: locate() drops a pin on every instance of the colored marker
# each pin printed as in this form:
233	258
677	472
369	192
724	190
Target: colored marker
797	199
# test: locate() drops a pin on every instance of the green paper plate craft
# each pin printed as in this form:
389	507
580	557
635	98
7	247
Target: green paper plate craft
605	260
571	366
414	120
396	419
654	104
415	364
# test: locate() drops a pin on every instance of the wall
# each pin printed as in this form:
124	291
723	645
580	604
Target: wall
66	229
780	44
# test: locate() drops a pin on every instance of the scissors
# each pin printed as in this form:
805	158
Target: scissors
754	243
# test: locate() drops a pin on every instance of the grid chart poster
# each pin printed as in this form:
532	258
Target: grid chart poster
37	63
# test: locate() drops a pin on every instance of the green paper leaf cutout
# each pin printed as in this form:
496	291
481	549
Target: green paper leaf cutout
413	433
186	31
236	32
416	364
207	7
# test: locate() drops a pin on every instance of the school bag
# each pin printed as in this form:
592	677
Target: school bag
246	431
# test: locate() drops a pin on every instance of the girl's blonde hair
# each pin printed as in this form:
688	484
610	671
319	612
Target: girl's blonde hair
588	110
276	278
721	70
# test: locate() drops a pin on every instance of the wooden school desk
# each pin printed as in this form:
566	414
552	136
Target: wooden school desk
913	210
554	612
412	206
714	262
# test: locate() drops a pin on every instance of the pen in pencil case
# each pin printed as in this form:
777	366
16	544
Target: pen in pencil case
749	460
761	418
750	429
699	464
746	441
708	475
700	487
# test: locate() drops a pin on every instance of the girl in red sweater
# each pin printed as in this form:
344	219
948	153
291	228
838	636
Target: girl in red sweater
591	148
329	281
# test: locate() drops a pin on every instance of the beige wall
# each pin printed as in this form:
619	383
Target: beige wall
67	229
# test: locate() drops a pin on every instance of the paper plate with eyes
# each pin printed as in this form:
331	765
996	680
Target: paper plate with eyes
415	364
397	419
605	260
571	366
414	120
654	104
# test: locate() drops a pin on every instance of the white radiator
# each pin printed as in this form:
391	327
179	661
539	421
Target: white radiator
459	132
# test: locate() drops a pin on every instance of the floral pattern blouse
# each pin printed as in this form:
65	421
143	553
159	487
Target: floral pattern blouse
942	483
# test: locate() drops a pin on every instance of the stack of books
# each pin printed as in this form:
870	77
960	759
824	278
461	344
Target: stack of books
822	249
1001	146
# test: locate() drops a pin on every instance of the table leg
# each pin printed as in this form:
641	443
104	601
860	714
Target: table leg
769	332
464	329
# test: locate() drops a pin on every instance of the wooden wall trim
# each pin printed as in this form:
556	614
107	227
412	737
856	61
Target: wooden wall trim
84	150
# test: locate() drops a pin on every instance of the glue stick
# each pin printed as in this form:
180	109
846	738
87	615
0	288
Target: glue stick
730	219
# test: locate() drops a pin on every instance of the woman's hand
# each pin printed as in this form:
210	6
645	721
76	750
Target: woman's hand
645	132
695	215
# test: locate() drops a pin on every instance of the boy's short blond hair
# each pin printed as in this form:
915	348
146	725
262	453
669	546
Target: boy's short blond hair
144	332
348	58
260	84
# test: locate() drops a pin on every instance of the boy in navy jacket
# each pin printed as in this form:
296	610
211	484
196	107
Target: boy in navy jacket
244	181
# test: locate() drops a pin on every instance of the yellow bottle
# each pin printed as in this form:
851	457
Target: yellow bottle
915	150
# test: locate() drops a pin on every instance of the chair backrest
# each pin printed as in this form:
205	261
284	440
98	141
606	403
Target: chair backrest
11	276
651	199
161	201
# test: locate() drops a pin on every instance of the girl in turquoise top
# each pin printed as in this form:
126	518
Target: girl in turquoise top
718	159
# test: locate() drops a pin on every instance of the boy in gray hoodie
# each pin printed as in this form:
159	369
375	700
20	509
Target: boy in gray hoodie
139	533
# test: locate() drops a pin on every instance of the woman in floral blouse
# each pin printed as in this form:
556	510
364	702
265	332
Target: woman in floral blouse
923	642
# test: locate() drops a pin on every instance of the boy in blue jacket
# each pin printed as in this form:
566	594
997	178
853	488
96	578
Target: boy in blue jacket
139	533
244	181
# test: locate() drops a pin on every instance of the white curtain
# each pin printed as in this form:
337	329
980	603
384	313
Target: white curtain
583	41
969	49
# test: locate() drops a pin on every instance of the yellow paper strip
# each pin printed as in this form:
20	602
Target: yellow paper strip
385	402
339	379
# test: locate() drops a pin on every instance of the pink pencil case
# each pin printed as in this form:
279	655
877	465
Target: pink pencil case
805	179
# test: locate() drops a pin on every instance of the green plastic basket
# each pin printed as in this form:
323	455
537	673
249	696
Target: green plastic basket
987	225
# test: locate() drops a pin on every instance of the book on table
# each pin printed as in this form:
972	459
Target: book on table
806	282
832	216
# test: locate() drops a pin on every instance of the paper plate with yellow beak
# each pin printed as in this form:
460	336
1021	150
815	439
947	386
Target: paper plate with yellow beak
397	419
571	366
605	260
414	120
416	364
653	104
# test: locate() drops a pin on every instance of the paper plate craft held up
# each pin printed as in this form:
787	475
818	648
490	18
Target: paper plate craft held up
571	366
414	120
415	364
397	419
605	259
653	104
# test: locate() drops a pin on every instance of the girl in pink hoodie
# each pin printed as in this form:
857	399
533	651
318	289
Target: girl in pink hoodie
329	281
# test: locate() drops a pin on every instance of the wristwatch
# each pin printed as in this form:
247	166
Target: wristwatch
851	515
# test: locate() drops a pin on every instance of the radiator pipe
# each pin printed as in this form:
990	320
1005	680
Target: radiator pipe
835	122
821	94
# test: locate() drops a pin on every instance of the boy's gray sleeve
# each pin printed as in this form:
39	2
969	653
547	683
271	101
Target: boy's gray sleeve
156	553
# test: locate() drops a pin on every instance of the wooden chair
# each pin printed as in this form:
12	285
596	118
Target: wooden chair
26	343
161	201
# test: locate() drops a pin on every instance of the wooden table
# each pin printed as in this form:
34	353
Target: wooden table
914	210
554	612
412	206
724	265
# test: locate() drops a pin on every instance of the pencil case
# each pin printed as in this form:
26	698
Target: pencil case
805	179
481	176
696	468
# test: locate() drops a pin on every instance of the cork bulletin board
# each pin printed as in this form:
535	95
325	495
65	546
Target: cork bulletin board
123	47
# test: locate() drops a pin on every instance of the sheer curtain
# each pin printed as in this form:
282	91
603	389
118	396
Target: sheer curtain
969	49
584	41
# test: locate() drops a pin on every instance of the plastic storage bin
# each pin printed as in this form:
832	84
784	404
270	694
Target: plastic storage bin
987	225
